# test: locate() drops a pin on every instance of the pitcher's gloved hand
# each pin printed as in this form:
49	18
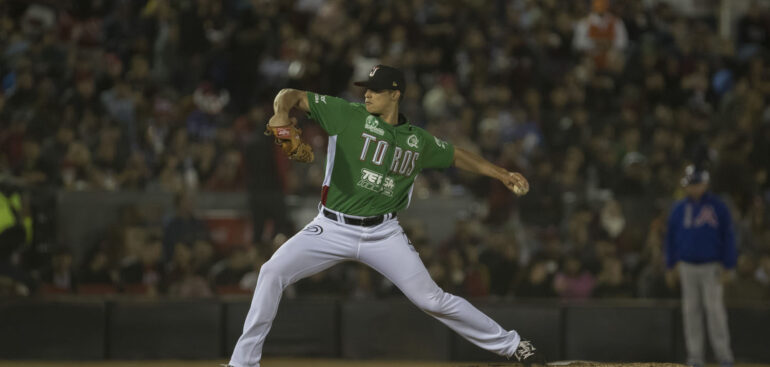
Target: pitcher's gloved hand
289	137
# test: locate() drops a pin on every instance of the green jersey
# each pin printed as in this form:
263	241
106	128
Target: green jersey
370	164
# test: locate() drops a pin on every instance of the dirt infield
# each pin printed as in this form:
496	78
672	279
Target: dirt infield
293	362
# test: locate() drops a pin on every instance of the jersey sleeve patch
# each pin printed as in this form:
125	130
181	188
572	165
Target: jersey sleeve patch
437	153
330	112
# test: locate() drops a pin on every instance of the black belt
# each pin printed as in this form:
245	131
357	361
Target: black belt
363	222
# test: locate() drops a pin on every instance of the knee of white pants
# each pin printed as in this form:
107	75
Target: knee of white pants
432	303
270	271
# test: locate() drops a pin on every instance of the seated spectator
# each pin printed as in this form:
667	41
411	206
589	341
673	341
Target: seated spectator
476	282
98	276
60	277
182	279
601	34
184	226
143	274
611	282
537	281
745	285
364	285
226	274
227	175
573	282
249	280
202	257
763	270
654	281
502	261
34	169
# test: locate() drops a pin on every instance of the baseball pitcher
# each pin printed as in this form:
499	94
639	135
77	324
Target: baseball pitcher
373	157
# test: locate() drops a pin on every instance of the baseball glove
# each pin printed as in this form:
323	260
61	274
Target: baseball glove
289	138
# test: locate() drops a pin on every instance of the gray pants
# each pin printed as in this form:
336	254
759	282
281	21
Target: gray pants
702	289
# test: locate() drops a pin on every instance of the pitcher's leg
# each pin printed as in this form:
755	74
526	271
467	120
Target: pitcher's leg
716	316
303	255
397	260
692	313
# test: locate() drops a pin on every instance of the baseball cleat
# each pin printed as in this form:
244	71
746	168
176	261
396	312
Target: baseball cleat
527	354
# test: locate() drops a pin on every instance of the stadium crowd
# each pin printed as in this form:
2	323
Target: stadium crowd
600	104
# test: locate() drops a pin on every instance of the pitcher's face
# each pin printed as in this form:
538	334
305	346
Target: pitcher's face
378	102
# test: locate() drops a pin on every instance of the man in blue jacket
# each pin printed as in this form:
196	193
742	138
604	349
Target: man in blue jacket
700	242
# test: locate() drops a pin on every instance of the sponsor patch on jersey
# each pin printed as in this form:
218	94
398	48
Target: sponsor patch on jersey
372	125
370	180
320	98
412	141
388	185
377	182
314	230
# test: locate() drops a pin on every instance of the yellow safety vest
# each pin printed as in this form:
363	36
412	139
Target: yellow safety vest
7	217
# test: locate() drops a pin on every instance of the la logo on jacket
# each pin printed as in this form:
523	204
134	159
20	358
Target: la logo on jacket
707	216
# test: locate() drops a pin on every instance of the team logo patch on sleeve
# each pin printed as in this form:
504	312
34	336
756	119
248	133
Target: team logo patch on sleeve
440	143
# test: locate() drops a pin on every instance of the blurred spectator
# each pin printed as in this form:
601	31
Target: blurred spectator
227	174
265	177
249	280
476	279
537	281
97	269
601	34
590	100
364	287
182	279
574	282
611	219
184	226
753	33
61	276
763	270
143	272
654	281
746	286
13	234
611	282
202	257
501	259
228	272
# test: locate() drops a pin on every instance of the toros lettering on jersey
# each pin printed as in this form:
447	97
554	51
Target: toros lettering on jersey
404	161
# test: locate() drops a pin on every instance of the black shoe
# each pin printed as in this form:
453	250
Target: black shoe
527	354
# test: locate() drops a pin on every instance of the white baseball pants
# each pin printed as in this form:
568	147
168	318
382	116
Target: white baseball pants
383	247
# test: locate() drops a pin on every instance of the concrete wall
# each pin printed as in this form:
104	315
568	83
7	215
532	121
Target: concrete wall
118	328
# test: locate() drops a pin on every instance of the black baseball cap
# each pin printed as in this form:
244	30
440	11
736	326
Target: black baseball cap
384	77
694	175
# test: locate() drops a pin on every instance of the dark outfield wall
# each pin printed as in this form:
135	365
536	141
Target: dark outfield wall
384	329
